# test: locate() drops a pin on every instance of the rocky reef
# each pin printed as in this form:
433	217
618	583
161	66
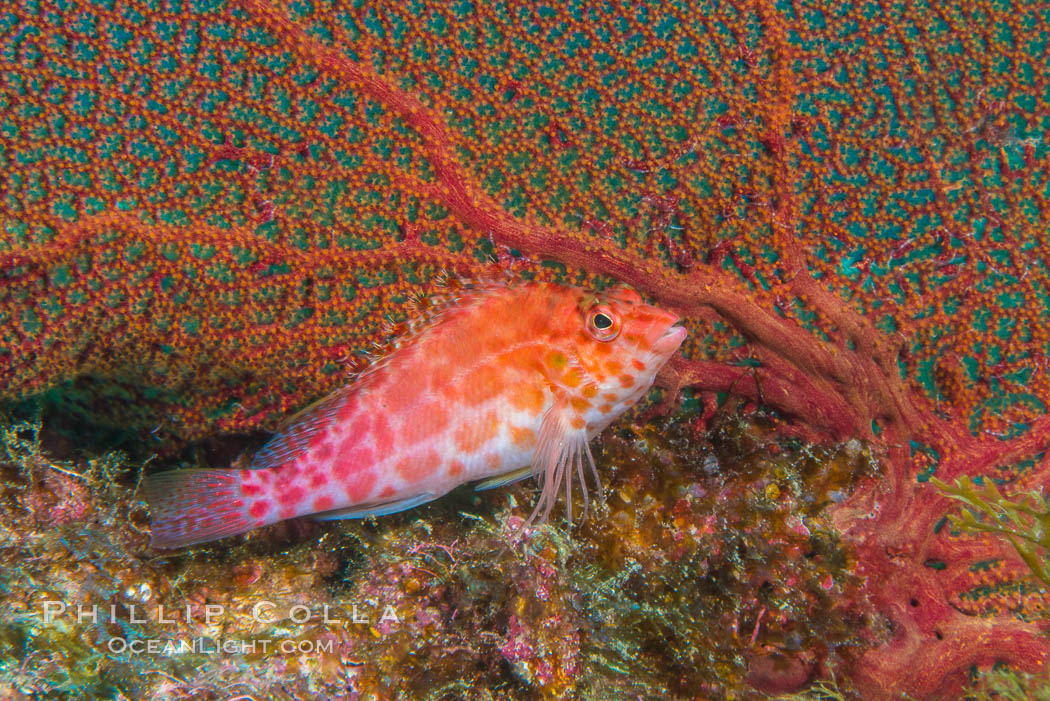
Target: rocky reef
714	566
709	566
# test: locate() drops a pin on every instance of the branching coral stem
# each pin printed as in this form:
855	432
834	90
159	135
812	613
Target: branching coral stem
848	385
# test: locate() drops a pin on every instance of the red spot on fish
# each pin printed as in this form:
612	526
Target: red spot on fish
287	512
400	396
492	339
290	496
361	457
483	384
473	435
417	468
360	484
355	433
572	378
323	503
627	380
259	509
323	452
638	365
251	490
287	475
383	436
524	359
527	397
318	480
387	491
444	374
522	437
436	419
455	468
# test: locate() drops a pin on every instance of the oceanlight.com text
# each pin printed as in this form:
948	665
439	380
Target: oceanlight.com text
206	646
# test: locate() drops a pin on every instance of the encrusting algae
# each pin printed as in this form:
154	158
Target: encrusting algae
707	565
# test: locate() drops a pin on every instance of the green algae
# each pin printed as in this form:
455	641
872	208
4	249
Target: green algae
1023	519
1001	683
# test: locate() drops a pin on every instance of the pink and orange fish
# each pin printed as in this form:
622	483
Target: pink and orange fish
507	382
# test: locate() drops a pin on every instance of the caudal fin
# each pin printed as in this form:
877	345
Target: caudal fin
195	506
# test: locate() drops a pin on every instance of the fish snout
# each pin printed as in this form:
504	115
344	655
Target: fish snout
671	339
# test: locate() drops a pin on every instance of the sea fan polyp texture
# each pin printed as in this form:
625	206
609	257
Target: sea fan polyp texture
209	207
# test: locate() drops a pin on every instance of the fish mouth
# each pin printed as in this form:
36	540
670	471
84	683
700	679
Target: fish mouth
670	340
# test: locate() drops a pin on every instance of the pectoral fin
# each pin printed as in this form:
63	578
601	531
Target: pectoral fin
558	458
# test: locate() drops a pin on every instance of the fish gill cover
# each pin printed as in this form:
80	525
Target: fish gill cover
209	207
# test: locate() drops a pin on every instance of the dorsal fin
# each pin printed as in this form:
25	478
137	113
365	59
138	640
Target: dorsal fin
295	433
293	436
451	292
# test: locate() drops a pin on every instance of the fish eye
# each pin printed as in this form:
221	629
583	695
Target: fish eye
603	324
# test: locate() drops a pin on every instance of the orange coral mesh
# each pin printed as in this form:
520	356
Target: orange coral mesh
265	185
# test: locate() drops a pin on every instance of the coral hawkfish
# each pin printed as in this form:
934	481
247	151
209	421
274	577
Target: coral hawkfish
504	382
